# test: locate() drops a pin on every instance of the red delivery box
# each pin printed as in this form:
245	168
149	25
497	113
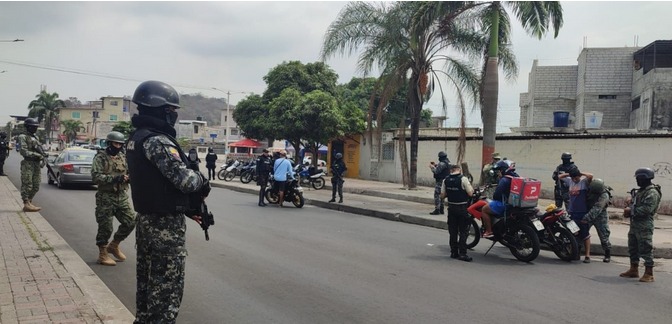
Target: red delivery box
524	192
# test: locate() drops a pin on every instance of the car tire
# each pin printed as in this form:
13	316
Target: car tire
59	182
50	180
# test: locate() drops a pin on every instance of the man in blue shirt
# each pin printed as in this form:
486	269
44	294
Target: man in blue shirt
282	171
505	170
578	183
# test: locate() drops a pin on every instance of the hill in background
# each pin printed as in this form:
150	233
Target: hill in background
195	105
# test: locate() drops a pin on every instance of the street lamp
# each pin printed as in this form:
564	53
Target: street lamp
228	110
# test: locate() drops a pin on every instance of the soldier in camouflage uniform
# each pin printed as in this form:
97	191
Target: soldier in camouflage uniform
33	160
440	170
642	208
161	184
490	178
597	201
110	172
4	152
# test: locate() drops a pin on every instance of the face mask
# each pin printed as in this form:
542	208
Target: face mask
112	150
171	116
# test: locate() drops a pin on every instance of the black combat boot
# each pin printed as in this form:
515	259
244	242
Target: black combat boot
607	256
340	200
436	212
441	210
333	199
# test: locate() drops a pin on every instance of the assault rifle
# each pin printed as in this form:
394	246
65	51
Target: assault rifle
45	155
197	207
629	211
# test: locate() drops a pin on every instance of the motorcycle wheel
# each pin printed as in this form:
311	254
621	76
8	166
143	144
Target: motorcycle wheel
298	200
318	183
524	243
565	247
473	233
229	176
271	196
246	177
221	174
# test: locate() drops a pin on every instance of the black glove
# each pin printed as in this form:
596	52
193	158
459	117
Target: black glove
119	179
205	189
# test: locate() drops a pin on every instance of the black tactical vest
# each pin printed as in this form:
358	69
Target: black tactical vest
454	191
152	193
444	173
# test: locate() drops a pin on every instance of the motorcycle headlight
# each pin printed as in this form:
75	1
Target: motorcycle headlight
299	189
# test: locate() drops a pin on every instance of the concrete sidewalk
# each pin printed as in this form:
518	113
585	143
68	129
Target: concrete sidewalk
42	279
392	202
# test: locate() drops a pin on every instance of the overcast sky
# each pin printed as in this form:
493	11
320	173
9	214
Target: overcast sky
196	46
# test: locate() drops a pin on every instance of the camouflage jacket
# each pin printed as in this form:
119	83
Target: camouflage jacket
163	153
646	203
598	209
106	169
30	147
489	176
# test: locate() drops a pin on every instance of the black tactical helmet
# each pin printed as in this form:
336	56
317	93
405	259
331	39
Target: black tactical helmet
116	137
646	173
566	156
155	94
30	122
442	154
339	155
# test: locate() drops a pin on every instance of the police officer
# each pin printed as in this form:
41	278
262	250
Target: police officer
211	163
193	160
490	179
264	168
643	206
33	160
161	185
440	171
561	191
110	172
457	189
597	202
4	152
337	171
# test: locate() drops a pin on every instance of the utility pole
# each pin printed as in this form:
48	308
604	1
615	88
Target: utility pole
228	109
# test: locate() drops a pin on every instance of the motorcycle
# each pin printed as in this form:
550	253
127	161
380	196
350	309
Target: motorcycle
559	233
293	193
230	171
311	176
517	229
249	172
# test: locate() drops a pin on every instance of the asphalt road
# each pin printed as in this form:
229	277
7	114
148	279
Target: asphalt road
311	265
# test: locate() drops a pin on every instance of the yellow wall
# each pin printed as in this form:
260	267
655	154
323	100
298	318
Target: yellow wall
351	149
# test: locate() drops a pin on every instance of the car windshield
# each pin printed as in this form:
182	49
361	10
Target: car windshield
81	156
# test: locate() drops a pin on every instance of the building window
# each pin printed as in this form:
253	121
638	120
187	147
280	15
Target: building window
96	114
114	103
388	152
225	118
606	97
113	117
635	103
195	129
76	115
234	131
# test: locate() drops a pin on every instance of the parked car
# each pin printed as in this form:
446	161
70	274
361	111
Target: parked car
308	159
72	166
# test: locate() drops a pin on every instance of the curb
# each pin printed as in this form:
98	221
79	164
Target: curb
595	248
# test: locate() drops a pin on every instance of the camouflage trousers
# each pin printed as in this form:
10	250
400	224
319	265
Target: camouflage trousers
2	163
110	205
640	244
602	227
30	179
438	202
161	253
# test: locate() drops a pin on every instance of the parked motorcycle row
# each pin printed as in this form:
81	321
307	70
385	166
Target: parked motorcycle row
524	229
305	176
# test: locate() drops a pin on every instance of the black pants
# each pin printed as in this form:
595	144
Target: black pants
262	182
2	164
337	186
211	173
458	223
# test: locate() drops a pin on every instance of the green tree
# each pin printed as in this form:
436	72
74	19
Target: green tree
536	17
71	128
301	77
123	127
46	107
403	42
252	117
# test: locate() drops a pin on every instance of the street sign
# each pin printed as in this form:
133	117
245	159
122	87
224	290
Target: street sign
213	135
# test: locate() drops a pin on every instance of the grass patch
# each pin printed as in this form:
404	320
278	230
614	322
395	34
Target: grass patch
41	245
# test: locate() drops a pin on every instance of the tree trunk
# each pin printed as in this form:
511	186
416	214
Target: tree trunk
415	107
490	94
403	157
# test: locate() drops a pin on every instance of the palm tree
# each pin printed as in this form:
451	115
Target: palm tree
404	43
70	129
536	17
46	107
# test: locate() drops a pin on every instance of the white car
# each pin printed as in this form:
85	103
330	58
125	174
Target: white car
308	159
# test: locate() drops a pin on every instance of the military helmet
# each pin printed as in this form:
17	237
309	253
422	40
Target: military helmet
566	156
116	137
31	122
339	155
646	173
155	94
596	186
442	154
